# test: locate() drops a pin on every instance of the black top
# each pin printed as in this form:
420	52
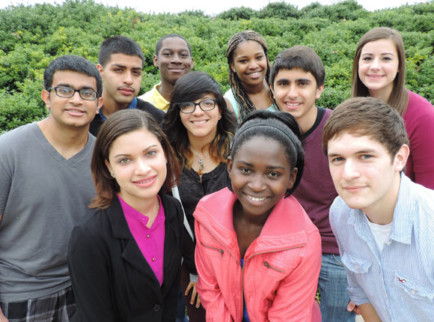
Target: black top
192	188
111	279
141	105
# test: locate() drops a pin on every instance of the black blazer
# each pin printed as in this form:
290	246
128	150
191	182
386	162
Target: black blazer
111	278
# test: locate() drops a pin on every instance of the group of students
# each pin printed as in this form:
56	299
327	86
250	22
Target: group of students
264	196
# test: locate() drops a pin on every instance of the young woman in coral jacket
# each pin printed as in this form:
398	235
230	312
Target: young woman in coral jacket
258	255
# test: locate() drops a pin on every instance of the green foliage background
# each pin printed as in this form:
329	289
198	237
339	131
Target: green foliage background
32	36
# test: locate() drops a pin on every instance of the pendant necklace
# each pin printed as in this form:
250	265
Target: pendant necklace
201	163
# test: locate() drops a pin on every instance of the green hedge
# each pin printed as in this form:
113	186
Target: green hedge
31	36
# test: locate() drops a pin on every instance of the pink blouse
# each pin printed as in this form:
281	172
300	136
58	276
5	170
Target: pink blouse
149	240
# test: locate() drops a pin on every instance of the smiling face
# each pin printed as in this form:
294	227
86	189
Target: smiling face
249	63
121	77
260	182
295	91
138	163
71	111
174	59
364	173
378	67
201	124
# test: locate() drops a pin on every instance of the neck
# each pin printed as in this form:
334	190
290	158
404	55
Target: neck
166	90
68	141
308	120
201	144
252	220
382	212
110	105
147	207
256	89
383	94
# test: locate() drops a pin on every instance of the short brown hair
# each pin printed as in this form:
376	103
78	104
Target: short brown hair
367	116
117	124
301	57
399	97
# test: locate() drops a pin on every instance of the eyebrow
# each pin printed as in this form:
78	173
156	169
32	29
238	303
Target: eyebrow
385	53
271	167
69	85
307	80
126	154
257	53
357	152
123	66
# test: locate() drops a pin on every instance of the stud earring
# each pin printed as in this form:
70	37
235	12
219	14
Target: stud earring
112	174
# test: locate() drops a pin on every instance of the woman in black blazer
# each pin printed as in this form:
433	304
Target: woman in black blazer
111	278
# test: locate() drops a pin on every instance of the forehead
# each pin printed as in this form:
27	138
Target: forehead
125	60
137	140
380	45
174	43
294	74
253	149
347	143
73	79
248	47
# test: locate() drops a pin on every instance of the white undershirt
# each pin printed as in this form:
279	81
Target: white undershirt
381	233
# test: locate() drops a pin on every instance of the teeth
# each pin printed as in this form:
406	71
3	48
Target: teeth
144	181
199	122
255	199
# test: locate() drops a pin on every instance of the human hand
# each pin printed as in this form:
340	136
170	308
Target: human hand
353	307
194	295
2	317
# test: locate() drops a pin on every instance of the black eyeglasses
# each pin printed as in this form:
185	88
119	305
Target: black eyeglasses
190	107
66	91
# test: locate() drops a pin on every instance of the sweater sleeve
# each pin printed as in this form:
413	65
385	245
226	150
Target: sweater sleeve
207	286
419	123
295	296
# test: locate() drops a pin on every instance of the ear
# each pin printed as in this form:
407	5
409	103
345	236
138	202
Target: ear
155	60
192	63
45	96
319	91
100	69
232	66
229	163
292	178
401	157
108	165
100	102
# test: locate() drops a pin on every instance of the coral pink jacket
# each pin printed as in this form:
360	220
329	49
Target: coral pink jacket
281	267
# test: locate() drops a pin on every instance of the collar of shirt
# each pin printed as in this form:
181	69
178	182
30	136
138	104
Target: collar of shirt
132	105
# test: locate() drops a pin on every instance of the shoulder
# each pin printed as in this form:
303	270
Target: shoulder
338	210
418	107
172	206
420	197
18	134
229	94
148	107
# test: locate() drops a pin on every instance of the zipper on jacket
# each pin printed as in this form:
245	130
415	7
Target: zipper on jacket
267	265
221	251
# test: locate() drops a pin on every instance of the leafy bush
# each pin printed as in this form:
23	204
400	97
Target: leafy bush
32	36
